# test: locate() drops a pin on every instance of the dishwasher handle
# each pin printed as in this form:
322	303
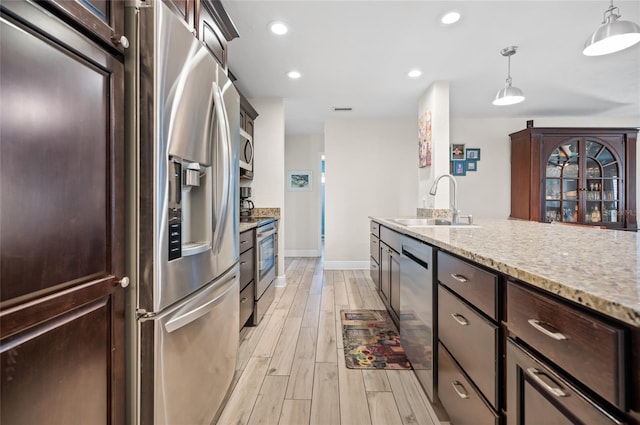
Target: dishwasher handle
410	255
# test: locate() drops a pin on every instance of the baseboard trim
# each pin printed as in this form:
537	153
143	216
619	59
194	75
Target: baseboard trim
302	253
346	265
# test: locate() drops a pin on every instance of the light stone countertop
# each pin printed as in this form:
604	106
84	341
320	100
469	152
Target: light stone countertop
597	268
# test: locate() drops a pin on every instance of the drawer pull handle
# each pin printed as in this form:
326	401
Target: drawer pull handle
538	325
241	242
243	262
459	389
556	391
243	300
460	319
460	278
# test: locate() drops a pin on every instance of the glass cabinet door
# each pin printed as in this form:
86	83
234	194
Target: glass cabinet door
582	183
602	185
562	183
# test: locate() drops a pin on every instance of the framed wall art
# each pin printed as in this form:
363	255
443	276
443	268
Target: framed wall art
458	168
299	181
457	152
473	153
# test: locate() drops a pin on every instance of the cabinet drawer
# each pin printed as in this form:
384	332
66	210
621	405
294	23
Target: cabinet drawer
374	247
460	399
391	238
246	304
583	345
537	395
375	229
247	240
475	285
375	272
472	340
246	268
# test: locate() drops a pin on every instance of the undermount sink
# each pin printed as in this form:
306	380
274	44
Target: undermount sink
429	222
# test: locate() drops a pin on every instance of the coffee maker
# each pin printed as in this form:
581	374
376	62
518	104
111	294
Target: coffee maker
246	205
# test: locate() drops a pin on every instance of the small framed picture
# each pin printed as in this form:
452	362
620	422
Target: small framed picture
471	165
457	152
473	153
458	168
299	181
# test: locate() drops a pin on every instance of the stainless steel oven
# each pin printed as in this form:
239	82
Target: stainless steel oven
265	269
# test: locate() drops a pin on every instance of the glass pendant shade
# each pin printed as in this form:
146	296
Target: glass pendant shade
508	95
613	35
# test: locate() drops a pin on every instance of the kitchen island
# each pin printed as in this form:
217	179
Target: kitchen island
559	306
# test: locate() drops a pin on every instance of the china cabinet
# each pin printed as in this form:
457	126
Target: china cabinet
575	175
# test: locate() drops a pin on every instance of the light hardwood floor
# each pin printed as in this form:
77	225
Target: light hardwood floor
291	368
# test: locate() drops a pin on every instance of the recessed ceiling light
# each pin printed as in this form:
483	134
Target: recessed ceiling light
278	27
294	75
414	73
450	17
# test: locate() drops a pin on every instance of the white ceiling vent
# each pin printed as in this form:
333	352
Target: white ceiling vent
337	109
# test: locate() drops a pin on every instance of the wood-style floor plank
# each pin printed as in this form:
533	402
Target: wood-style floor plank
291	370
384	410
295	412
354	408
325	405
269	401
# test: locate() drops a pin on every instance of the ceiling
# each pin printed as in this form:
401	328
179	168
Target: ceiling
357	54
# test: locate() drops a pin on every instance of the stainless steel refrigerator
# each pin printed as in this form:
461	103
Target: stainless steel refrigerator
182	221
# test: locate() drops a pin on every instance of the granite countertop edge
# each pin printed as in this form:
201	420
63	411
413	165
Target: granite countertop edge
243	227
617	297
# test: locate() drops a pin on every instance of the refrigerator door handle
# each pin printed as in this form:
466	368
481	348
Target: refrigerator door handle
184	319
223	121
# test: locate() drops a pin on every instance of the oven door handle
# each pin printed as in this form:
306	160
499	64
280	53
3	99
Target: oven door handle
265	234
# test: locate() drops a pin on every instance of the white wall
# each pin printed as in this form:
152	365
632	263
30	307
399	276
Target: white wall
303	225
436	100
268	177
370	171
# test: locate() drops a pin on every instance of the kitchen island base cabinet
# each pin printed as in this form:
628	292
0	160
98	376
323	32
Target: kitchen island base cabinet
463	402
538	395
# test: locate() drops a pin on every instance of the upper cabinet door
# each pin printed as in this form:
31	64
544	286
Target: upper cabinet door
185	9
215	29
103	18
61	223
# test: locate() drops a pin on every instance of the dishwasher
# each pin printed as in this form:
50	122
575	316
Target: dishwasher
417	310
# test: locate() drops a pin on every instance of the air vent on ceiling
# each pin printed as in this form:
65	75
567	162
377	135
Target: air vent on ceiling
342	109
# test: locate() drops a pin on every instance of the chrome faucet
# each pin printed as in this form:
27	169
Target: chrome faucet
455	212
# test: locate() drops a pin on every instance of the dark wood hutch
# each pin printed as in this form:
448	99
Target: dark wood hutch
575	175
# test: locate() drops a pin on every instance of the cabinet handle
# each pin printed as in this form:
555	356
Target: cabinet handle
241	242
124	282
462	392
460	278
243	300
556	391
460	319
120	41
243	262
538	326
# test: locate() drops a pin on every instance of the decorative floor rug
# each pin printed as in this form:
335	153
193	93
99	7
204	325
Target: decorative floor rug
371	341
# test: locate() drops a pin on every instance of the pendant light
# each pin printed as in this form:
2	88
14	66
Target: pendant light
613	35
508	95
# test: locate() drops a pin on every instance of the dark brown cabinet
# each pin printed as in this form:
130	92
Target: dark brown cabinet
374	252
390	247
536	394
102	19
470	338
575	175
186	9
247	116
247	274
565	364
62	223
215	28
